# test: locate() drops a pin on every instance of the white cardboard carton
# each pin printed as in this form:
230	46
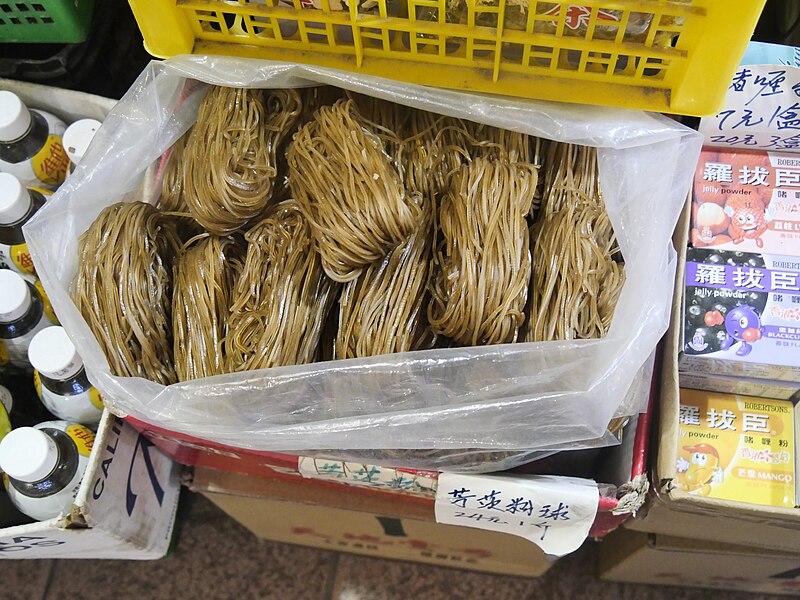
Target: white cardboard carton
125	507
126	504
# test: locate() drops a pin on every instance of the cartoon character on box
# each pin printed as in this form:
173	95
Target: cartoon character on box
701	471
711	225
742	324
749	218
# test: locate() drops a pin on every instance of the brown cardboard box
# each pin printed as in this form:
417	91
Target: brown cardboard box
672	512
633	557
383	525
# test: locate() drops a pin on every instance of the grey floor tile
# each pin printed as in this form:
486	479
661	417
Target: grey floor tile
215	558
572	578
23	579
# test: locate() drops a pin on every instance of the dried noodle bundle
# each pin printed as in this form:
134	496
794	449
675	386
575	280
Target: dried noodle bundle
437	146
347	188
172	196
389	121
205	276
385	309
576	280
481	287
282	298
230	158
123	288
434	150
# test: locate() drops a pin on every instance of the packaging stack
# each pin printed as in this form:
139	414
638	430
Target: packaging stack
726	497
741	325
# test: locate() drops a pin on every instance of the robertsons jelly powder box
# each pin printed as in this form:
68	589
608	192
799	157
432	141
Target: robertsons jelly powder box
736	448
747	201
741	314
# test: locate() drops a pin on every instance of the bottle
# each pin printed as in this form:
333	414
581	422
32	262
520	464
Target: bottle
10	516
30	143
20	405
22	316
77	138
60	378
17	205
44	465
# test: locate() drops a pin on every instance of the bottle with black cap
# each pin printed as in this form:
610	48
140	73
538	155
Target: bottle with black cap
22	316
30	143
61	380
43	467
18	204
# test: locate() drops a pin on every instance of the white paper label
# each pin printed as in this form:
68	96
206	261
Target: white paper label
762	111
554	513
412	482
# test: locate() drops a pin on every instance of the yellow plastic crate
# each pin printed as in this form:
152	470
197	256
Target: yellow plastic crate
665	55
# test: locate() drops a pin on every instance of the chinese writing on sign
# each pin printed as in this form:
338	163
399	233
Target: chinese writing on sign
555	513
762	110
518	507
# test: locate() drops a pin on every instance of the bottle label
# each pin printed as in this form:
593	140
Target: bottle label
96	399
6	406
83	438
48	308
17	258
86	407
51	162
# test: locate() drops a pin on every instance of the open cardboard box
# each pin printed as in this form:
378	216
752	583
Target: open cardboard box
125	507
672	512
359	508
623	466
363	521
633	557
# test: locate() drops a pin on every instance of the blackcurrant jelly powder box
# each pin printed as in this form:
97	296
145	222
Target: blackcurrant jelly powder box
741	314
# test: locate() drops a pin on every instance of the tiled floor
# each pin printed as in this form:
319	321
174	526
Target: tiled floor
215	558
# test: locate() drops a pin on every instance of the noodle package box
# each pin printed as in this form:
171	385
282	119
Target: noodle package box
747	202
126	503
738	448
741	314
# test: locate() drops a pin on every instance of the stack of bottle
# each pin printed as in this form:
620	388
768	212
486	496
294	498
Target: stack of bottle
48	408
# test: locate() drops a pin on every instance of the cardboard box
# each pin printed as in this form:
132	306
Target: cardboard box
737	448
673	512
632	557
126	504
322	515
747	201
744	386
741	314
125	507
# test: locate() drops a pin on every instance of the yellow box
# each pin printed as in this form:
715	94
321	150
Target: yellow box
737	448
662	55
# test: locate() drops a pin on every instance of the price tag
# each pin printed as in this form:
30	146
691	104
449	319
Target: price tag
762	111
555	513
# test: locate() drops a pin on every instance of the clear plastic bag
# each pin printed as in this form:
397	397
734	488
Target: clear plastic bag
505	398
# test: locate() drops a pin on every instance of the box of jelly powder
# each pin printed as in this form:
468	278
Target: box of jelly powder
741	314
747	201
736	448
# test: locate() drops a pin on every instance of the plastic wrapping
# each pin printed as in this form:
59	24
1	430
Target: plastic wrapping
525	396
